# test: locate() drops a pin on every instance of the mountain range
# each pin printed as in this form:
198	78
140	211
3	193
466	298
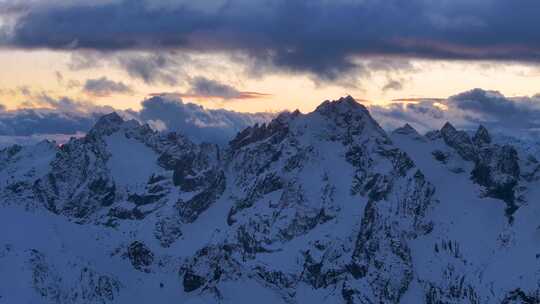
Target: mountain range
323	207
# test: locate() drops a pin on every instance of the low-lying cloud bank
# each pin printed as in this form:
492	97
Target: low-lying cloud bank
60	119
515	116
198	123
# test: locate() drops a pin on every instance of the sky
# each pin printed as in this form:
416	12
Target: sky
414	61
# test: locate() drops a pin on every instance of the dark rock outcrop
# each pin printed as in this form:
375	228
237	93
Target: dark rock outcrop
459	140
140	256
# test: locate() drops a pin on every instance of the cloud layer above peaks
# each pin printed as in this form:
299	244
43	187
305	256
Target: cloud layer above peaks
325	38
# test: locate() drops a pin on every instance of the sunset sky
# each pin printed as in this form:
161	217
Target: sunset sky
55	72
266	56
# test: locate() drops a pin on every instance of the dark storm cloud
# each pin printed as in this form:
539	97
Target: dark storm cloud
320	37
511	115
103	87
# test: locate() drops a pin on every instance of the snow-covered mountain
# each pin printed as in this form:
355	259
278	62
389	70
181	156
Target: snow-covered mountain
324	207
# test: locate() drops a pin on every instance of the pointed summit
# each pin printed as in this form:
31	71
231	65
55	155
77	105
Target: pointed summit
448	129
111	118
344	104
345	108
459	140
349	117
107	124
406	129
481	137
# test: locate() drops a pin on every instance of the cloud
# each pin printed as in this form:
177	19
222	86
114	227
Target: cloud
28	122
494	108
37	100
102	87
196	122
152	68
209	87
202	87
6	141
394	85
516	116
42	114
424	115
82	60
46	117
59	77
323	38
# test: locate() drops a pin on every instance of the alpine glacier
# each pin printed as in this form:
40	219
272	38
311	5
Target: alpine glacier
324	207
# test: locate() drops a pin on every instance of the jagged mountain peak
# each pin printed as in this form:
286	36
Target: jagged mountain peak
110	119
448	128
347	115
459	140
406	129
482	137
343	104
296	209
343	119
111	123
107	124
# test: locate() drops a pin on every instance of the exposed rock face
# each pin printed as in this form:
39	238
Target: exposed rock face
324	207
208	267
79	182
381	257
520	297
90	287
278	207
140	256
167	230
190	210
481	137
498	171
460	141
496	168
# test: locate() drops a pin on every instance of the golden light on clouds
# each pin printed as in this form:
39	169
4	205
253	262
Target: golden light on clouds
49	72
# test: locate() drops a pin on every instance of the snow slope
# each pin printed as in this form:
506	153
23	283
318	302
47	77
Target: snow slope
324	207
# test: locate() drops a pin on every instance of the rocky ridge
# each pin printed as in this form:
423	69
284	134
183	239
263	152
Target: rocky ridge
324	207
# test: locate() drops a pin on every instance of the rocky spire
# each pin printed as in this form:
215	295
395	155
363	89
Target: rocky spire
448	129
459	140
481	137
406	129
343	104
